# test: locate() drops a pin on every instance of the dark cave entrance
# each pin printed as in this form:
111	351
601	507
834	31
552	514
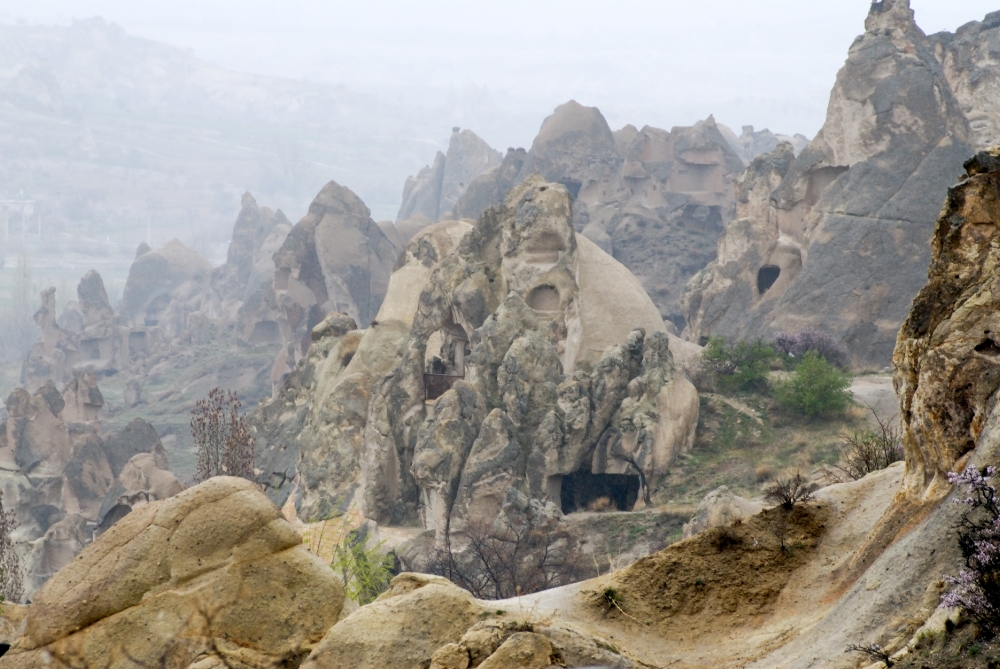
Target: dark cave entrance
766	276
581	489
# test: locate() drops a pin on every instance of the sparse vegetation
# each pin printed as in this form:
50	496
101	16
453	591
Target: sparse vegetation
816	389
515	555
11	575
868	451
795	345
874	651
365	572
740	367
222	438
789	490
976	589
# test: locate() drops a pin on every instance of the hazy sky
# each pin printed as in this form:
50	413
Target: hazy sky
770	63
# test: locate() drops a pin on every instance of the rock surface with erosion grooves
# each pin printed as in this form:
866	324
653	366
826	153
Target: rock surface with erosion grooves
947	357
213	576
508	356
843	244
970	60
432	194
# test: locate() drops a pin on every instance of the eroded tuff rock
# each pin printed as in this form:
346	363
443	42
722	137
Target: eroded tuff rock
85	337
507	356
211	577
752	143
436	188
947	358
655	200
843	244
62	477
970	60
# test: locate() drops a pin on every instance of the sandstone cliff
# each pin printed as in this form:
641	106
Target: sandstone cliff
842	243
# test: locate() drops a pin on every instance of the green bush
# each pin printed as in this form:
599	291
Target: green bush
366	572
817	388
740	367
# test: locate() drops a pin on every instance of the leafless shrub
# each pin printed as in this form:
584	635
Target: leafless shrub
789	490
11	575
874	651
869	451
509	557
225	445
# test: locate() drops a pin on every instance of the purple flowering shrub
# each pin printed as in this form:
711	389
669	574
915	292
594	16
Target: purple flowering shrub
797	344
976	589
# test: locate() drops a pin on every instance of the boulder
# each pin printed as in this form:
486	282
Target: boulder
154	276
213	572
868	185
720	507
402	628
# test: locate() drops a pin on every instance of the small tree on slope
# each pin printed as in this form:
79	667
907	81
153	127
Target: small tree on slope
222	438
976	589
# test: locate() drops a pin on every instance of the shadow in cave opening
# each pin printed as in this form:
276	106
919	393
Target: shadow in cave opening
581	488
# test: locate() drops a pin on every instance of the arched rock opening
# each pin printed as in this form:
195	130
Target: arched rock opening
766	276
581	489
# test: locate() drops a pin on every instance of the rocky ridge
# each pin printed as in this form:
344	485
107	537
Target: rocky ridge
868	185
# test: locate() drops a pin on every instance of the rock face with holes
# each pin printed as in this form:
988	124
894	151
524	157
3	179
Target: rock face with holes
509	356
211	577
433	193
843	244
947	355
64	479
655	200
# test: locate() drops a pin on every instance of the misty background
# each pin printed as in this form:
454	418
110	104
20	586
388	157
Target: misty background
123	122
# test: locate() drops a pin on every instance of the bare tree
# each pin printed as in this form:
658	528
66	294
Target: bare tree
871	450
509	557
225	445
11	575
789	490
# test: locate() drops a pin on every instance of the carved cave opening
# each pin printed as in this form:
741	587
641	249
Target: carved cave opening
583	489
444	360
766	276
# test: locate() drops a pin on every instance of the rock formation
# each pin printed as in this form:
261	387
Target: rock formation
947	358
842	245
211	577
512	357
85	337
62	477
970	61
436	188
752	143
720	507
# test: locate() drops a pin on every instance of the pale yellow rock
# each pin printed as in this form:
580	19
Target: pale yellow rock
400	630
523	650
216	562
450	656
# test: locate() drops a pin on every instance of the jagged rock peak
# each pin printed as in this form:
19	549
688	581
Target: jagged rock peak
890	14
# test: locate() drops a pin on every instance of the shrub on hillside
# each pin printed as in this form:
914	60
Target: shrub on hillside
797	344
976	589
789	490
740	367
869	451
817	388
